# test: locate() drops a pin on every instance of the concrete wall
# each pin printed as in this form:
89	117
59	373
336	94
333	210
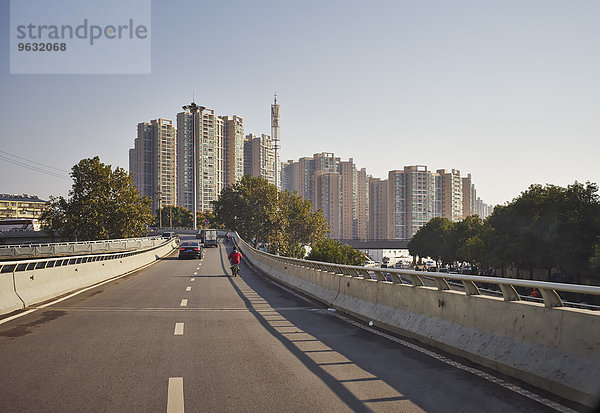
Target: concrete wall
556	349
20	289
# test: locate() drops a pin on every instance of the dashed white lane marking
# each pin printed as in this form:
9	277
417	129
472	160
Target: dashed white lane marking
195	273
188	289
183	303
175	395
517	389
178	329
192	279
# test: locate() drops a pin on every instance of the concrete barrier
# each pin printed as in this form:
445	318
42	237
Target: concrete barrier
36	281
9	300
554	348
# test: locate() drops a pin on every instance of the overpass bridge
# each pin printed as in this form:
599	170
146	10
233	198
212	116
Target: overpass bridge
184	335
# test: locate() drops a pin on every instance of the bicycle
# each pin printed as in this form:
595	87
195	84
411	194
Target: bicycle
235	270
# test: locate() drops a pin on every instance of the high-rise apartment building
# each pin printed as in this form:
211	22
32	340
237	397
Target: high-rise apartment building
203	132
397	205
233	138
259	157
469	197
328	198
314	178
378	208
152	162
451	185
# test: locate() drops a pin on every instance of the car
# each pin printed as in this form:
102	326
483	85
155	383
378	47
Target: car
191	249
169	235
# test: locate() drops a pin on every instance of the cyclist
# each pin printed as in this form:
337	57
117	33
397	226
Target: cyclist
235	257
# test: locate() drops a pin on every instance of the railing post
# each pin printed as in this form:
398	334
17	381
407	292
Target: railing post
441	284
551	298
470	288
509	293
415	280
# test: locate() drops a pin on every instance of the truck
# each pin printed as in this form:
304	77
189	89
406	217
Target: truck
210	238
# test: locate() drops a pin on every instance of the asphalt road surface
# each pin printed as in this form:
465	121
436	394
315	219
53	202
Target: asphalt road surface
186	335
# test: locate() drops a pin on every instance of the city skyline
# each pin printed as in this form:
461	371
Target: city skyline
508	94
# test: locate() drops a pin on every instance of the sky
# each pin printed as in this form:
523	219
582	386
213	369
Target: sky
508	91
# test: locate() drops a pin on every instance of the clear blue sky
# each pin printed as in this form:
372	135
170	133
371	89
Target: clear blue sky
508	91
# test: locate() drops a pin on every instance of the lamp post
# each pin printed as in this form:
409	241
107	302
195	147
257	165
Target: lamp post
159	193
194	110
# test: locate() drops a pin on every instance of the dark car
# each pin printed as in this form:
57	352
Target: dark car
191	249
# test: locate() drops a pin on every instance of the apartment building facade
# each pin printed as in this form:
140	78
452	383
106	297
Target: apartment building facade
203	134
233	142
259	157
153	161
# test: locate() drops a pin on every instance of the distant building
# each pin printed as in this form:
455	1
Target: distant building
21	206
233	137
152	162
208	131
335	186
259	157
328	198
378	207
451	193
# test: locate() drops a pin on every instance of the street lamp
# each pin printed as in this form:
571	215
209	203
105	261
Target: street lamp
194	109
159	193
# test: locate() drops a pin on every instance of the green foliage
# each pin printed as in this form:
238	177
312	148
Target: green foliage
260	213
595	259
546	227
175	216
297	225
248	207
103	204
328	250
207	219
433	240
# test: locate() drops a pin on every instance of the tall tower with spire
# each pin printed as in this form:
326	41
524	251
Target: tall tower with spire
275	137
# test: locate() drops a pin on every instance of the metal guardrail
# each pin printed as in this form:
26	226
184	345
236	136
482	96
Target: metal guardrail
24	251
56	261
469	284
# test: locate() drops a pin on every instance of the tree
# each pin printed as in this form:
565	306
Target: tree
208	219
260	213
329	250
249	207
174	215
103	204
298	226
466	239
547	227
432	240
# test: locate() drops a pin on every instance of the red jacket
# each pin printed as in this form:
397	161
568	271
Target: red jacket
235	257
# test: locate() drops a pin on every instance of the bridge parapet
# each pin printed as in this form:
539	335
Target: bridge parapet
542	342
27	282
11	252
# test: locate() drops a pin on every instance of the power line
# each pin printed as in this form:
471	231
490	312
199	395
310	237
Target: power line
34	162
33	168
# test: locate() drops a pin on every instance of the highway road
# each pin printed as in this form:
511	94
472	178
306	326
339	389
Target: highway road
186	335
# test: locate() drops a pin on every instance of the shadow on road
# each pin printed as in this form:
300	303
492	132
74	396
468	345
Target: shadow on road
366	371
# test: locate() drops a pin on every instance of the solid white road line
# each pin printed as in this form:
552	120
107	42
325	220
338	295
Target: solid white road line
175	395
188	289
183	303
178	329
